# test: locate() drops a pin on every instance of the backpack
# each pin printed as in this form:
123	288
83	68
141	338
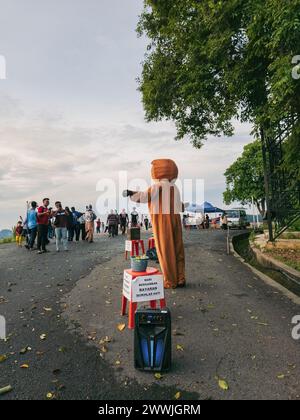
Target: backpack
152	254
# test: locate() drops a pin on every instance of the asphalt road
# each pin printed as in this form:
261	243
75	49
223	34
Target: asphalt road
61	363
238	330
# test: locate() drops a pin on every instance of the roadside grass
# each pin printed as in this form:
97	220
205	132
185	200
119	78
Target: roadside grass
290	235
289	257
242	247
295	227
7	240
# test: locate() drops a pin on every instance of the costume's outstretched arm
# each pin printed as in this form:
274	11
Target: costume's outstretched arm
138	196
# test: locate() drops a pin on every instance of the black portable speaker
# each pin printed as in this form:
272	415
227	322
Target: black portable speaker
152	340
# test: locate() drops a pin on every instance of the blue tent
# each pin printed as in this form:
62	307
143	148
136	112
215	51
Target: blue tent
204	208
209	208
194	208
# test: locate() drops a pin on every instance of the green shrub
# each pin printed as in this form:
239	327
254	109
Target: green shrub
252	236
295	227
289	236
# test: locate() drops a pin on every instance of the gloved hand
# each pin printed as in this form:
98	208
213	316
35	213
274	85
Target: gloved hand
128	193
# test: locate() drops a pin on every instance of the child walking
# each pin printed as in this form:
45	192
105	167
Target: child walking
19	234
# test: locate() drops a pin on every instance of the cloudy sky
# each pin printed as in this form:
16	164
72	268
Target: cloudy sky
70	113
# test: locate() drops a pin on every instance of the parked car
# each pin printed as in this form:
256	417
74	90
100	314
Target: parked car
237	218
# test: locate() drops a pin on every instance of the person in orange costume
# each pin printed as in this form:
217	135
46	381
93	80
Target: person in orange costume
165	205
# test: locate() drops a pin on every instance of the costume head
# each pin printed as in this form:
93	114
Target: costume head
164	169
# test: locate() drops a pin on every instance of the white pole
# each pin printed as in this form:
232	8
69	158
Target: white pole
257	218
228	240
253	214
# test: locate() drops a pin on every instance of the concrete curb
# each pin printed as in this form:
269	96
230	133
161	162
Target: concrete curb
273	263
266	279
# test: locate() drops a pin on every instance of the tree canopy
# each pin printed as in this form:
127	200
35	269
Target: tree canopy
209	62
245	178
291	161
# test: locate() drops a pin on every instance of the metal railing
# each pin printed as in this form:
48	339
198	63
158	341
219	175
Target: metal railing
284	193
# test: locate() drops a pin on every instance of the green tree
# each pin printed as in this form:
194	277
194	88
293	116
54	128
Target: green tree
212	61
291	163
245	178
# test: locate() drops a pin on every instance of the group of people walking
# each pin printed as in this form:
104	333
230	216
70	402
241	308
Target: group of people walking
206	223
122	221
64	223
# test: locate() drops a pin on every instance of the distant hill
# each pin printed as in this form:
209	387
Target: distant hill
5	233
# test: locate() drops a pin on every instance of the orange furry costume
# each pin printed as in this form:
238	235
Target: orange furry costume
165	205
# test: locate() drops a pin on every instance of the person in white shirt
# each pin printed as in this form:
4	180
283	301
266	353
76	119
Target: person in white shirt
90	218
224	221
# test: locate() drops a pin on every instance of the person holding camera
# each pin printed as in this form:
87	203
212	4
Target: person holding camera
61	220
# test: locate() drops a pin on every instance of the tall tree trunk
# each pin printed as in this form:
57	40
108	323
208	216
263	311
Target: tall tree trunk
261	205
267	188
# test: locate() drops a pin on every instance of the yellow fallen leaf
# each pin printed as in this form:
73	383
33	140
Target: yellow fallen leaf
158	376
49	396
43	337
223	385
118	362
25	366
5	390
121	327
3	357
177	395
103	349
179	347
47	309
280	376
92	338
25	350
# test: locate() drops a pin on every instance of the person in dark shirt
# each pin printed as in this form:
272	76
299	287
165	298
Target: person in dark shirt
61	223
51	231
146	221
98	226
134	218
124	220
70	224
207	222
112	221
76	224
